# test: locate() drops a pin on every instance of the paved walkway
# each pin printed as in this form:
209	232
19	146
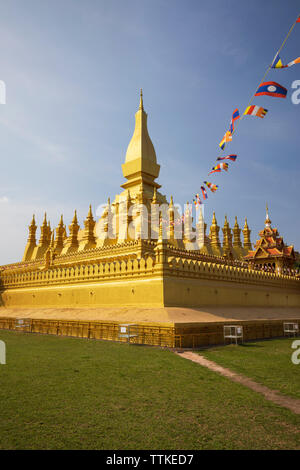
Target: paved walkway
293	404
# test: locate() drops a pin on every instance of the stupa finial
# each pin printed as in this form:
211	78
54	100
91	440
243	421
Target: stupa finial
268	221
141	106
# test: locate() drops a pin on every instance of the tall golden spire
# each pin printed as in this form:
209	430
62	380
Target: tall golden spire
140	162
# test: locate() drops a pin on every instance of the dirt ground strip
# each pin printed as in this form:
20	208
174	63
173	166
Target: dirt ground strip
165	315
293	404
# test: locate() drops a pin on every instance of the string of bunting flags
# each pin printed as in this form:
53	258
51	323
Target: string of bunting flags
265	88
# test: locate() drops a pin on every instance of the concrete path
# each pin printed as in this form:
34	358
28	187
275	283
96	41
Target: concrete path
293	404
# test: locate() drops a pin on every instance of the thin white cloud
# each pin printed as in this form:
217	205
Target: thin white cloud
239	54
56	153
3	199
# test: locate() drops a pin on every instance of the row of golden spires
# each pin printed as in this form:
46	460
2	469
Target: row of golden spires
59	241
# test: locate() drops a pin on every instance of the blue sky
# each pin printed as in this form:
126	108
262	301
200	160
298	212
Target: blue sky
73	70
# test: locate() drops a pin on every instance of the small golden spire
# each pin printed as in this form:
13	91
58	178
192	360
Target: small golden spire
44	238
246	233
33	224
237	236
89	225
214	235
72	242
59	239
32	231
171	202
226	227
75	221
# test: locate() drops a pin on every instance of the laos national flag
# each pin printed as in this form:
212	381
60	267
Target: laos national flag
271	89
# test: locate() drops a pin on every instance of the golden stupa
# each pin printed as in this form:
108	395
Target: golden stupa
132	265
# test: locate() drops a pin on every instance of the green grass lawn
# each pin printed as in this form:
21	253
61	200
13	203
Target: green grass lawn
268	362
68	393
